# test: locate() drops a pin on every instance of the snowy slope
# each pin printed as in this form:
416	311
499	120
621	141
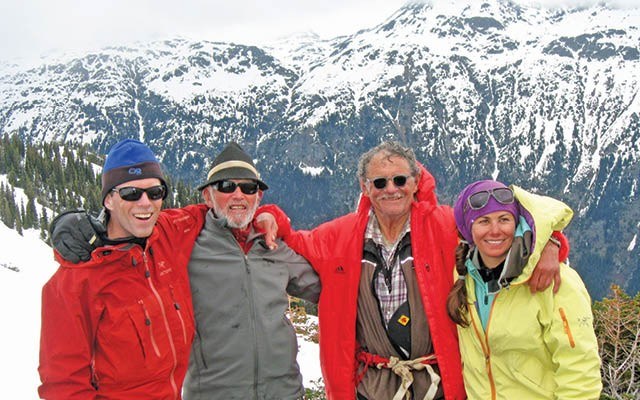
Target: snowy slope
20	311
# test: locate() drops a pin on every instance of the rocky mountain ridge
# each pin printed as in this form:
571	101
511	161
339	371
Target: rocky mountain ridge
546	99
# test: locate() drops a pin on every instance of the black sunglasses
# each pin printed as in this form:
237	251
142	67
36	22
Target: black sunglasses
381	183
480	199
230	187
130	193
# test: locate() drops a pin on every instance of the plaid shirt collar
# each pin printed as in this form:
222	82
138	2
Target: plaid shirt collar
391	294
374	233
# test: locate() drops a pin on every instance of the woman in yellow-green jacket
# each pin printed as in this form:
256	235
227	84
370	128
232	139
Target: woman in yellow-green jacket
514	344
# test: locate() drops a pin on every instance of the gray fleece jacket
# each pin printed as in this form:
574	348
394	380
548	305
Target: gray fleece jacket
245	347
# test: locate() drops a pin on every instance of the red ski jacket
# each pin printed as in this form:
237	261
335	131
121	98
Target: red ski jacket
120	326
335	251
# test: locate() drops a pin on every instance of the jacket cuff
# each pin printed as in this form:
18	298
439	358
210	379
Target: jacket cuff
563	253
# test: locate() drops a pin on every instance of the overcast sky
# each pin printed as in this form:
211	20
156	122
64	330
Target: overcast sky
30	28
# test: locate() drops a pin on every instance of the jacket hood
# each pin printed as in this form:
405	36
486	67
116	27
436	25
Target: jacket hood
547	215
104	254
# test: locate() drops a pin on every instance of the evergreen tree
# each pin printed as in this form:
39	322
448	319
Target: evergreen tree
4	141
31	214
44	225
617	325
18	222
22	214
5	211
9	207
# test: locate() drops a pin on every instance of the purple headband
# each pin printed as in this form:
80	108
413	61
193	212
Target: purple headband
465	215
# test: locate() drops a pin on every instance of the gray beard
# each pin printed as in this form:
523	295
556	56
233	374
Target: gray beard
234	223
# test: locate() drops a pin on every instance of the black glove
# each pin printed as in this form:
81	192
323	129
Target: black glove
75	234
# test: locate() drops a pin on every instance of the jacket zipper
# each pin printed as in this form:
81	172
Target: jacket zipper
172	378
147	322
252	312
485	346
567	328
176	305
95	381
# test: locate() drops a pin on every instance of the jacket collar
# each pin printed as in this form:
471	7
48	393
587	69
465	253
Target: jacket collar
221	223
108	254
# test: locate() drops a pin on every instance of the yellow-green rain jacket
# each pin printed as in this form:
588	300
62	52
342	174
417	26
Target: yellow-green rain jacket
538	346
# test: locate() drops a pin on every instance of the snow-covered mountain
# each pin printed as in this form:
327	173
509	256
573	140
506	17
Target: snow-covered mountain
544	98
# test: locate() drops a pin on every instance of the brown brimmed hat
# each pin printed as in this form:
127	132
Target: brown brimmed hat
233	163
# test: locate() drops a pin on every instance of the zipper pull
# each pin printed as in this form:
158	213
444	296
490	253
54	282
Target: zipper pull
147	273
486	299
147	320
176	305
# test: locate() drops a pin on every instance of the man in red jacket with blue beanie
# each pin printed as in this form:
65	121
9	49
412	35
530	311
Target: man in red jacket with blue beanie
120	325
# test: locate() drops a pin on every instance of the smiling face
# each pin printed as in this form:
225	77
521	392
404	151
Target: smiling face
236	207
132	218
493	235
392	203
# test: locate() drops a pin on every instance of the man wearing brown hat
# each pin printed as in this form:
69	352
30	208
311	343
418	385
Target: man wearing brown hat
245	347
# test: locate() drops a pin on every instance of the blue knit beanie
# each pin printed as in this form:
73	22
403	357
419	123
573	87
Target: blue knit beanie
129	160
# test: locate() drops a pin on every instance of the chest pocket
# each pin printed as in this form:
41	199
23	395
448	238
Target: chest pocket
149	326
158	329
132	342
